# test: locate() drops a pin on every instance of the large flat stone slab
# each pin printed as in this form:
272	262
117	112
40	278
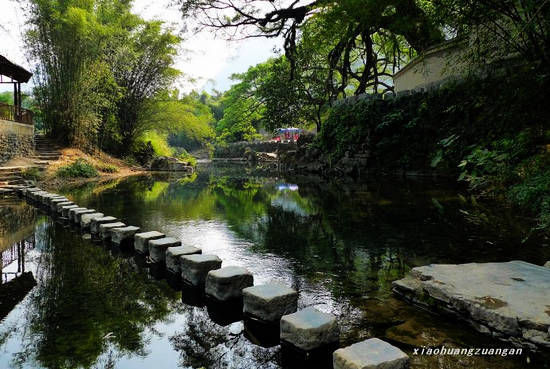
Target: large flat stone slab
158	247
228	283
370	354
105	228
96	222
309	328
269	302
173	255
195	268
86	219
141	240
510	301
123	234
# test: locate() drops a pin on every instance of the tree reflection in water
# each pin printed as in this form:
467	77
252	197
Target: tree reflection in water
341	246
203	343
87	301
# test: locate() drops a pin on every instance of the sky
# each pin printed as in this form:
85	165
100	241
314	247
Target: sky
206	61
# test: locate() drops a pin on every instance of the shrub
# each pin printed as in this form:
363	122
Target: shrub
78	169
185	156
107	168
32	173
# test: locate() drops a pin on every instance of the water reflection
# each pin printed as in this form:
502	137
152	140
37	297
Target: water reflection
339	245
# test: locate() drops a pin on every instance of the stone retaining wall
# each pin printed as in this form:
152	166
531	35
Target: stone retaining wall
16	139
238	149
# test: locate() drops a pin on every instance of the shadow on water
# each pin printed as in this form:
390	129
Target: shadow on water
339	245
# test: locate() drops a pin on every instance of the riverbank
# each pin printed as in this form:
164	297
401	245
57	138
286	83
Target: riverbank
106	166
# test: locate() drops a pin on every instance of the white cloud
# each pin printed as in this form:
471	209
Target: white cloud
206	61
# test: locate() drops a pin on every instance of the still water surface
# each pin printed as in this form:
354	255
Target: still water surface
340	245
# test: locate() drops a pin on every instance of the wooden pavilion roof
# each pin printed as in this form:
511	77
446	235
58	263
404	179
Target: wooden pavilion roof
14	71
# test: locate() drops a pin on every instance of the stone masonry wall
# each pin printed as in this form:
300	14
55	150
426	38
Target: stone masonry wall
16	139
238	149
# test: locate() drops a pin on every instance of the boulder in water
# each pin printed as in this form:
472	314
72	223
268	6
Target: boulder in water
168	164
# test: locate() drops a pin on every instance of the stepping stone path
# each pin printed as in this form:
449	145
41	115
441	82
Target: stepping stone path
158	247
228	283
306	330
141	240
96	222
309	329
120	235
173	255
370	354
269	302
105	228
195	268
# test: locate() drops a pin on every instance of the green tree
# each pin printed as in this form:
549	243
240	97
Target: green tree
354	24
142	67
74	85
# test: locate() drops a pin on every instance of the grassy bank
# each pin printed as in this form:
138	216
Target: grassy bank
75	166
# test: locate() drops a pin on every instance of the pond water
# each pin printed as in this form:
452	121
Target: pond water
339	244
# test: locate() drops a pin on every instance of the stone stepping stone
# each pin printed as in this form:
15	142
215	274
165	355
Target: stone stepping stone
48	200
40	195
77	215
29	191
123	234
269	302
309	329
72	211
43	199
54	202
173	255
86	219
195	268
141	240
65	210
158	247
35	195
104	229
59	205
228	283
96	222
372	353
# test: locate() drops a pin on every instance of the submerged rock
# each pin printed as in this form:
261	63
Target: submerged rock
508	300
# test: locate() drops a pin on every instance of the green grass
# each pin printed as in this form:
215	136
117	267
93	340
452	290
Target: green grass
32	173
107	168
79	169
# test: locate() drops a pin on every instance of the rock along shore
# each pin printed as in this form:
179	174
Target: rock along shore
509	300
